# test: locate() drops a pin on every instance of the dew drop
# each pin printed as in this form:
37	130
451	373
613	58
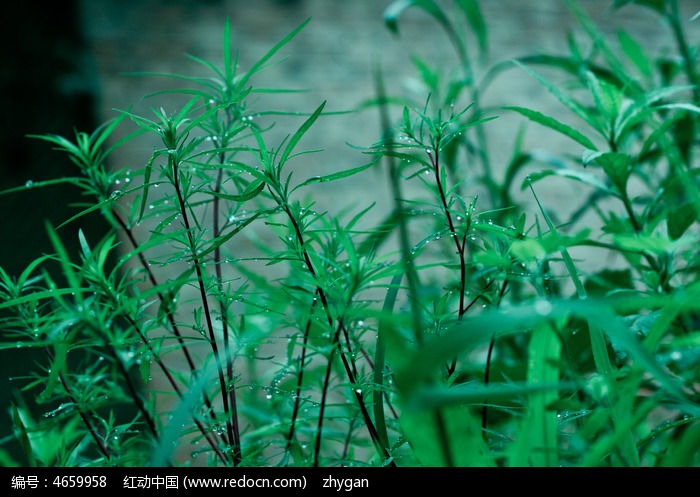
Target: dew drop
543	307
29	183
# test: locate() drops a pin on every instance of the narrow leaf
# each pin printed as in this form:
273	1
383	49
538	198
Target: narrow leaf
680	219
395	9
379	362
476	21
588	117
335	176
552	123
582	176
635	53
300	133
259	64
252	192
615	164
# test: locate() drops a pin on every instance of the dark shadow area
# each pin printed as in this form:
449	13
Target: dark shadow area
47	87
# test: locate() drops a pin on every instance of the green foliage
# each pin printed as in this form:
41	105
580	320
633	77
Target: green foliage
224	321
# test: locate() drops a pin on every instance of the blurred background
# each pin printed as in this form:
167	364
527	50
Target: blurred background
64	67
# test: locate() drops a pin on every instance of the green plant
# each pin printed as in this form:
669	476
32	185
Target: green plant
228	320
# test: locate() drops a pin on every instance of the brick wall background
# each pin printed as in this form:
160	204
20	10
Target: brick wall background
333	58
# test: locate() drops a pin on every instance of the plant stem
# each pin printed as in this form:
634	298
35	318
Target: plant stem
434	156
231	420
92	429
300	376
173	383
335	343
171	320
173	166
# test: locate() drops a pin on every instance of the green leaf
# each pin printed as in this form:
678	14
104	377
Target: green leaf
148	170
656	5
475	18
220	240
253	190
606	280
607	97
380	362
493	259
552	123
473	393
654	244
162	452
243	81
395	9
336	176
58	367
615	164
527	250
66	266
568	64
20	419
429	76
47	294
681	106
450	435
544	356
305	126
582	176
229	68
538	445
680	219
683	451
26	274
656	136
598	324
635	53
631	113
608	55
591	118
84	244
92	208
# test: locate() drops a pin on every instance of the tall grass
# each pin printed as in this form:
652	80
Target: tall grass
227	320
